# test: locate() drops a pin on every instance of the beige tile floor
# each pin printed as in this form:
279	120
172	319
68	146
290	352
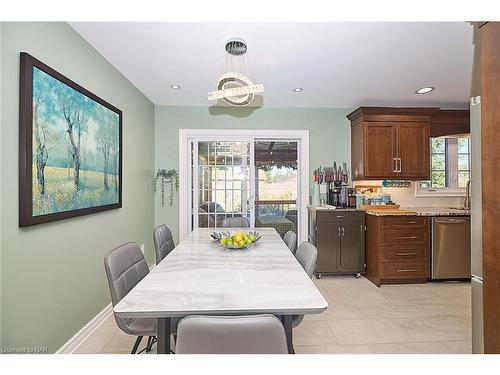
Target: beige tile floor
361	318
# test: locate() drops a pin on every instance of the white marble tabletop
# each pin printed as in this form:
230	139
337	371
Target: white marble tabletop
200	277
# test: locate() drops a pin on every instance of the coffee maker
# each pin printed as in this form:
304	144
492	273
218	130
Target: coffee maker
339	192
334	193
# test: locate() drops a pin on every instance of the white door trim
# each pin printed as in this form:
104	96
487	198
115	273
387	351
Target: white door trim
187	135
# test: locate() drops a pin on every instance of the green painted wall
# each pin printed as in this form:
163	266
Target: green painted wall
53	279
329	135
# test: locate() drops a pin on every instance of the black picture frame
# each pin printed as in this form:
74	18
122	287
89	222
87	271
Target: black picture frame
26	217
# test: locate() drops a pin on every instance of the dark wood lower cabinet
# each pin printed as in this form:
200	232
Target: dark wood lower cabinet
339	236
328	245
397	249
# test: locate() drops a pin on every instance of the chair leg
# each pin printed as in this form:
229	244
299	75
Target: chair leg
150	343
136	345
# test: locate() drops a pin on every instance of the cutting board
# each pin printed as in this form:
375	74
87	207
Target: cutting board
394	212
379	206
388	210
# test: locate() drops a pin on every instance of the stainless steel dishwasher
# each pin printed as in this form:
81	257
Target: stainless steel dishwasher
450	248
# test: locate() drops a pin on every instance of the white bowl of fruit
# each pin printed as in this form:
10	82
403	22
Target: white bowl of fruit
238	240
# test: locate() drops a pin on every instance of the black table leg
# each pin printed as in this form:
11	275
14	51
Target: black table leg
163	336
287	323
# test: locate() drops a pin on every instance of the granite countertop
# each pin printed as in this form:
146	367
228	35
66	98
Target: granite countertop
421	211
326	207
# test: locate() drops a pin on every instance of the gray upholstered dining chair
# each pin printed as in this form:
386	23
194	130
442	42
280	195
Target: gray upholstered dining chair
235	222
306	255
251	334
163	241
125	266
290	239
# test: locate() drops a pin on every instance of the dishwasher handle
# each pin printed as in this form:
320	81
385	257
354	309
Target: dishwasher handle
451	221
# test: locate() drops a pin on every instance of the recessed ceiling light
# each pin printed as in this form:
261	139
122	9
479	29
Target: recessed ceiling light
425	90
175	87
297	89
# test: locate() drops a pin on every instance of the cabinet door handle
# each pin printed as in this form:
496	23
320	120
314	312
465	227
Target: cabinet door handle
406	238
400	164
411	222
405	254
395	164
338	231
409	270
343	231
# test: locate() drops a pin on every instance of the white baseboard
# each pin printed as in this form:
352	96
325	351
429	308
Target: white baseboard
82	335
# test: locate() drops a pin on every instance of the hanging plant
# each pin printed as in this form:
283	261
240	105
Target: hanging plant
171	177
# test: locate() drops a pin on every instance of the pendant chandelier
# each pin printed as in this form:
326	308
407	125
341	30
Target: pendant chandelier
234	88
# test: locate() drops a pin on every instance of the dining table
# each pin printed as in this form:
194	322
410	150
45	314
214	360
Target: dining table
200	277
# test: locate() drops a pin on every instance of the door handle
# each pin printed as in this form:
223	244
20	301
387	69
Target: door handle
405	254
395	164
338	231
400	165
343	231
406	238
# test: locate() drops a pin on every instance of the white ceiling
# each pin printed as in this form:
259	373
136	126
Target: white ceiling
337	64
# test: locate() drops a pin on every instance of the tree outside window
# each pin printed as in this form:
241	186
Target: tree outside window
450	165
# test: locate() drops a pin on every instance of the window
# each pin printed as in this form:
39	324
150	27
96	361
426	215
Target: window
450	167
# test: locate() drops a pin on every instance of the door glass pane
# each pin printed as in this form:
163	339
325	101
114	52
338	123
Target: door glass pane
223	182
276	185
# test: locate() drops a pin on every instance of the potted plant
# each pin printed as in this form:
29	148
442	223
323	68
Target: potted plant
171	177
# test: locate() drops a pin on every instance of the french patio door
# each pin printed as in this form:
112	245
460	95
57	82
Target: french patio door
218	178
223	181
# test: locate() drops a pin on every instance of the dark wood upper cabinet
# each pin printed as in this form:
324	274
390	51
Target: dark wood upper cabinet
390	142
413	149
380	143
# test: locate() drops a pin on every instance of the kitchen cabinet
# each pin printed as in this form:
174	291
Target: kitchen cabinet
413	154
390	143
397	249
339	236
380	144
489	35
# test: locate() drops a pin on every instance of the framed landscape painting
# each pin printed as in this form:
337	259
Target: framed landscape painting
70	148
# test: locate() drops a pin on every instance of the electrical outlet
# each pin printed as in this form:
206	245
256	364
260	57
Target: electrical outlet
142	248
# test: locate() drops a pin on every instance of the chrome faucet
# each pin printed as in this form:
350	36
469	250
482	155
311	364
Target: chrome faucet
467	196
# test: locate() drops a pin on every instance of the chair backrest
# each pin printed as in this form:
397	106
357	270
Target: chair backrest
290	239
125	266
292	216
307	254
204	219
163	241
253	334
235	222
